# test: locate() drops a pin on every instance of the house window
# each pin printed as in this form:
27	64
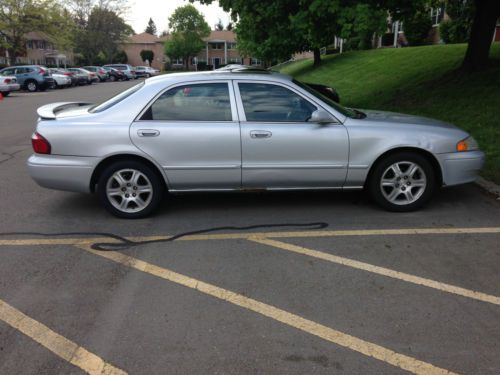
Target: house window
29	44
255	61
231	45
437	15
235	60
177	61
217	45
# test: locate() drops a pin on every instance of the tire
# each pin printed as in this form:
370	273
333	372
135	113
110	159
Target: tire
32	86
402	182
112	78
123	203
5	93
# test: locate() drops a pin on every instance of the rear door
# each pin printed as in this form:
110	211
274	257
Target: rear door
192	131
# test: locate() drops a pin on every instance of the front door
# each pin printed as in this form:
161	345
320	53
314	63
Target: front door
193	132
280	148
216	62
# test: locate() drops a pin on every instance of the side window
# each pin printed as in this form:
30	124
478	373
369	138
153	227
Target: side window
21	70
8	72
197	102
271	103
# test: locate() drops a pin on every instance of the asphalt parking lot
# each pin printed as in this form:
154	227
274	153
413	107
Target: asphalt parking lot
277	283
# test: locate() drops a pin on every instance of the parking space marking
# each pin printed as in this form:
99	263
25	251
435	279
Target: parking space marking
59	345
247	235
379	270
361	346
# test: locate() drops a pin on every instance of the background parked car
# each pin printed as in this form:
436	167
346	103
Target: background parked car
84	76
101	73
114	74
8	84
127	69
67	73
30	77
145	71
61	80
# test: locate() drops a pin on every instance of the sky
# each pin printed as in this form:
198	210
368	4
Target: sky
160	10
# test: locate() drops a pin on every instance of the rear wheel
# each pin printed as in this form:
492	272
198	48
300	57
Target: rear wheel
402	182
5	93
130	189
31	86
112	78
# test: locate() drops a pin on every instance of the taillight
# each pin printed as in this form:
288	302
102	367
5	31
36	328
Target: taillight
7	80
40	144
68	74
41	71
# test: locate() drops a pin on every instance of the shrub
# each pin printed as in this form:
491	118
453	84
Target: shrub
416	28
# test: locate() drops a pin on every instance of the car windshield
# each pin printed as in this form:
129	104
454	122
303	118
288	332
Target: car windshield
115	99
348	112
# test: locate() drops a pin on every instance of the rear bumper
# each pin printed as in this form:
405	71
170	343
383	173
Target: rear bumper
70	173
10	87
460	167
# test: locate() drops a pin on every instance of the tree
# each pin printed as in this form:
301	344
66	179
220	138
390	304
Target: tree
188	30
104	32
229	26
219	26
151	28
481	36
457	28
147	55
19	17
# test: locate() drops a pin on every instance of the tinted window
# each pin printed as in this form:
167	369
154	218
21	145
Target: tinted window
199	102
271	103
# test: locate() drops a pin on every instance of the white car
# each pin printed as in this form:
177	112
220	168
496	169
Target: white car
61	80
8	84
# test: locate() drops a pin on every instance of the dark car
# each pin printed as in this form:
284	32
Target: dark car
127	70
114	74
329	92
30	77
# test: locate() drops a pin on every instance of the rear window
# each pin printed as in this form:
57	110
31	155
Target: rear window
116	99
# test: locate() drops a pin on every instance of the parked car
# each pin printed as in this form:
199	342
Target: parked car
101	73
8	84
225	130
125	69
64	72
145	71
114	74
30	77
84	76
61	80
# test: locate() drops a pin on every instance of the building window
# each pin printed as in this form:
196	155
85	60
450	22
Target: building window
235	60
437	15
29	44
255	61
217	45
231	45
177	61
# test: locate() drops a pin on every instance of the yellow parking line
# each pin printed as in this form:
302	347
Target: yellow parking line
364	347
59	345
247	235
379	270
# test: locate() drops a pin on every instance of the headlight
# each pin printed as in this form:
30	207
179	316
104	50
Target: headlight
467	144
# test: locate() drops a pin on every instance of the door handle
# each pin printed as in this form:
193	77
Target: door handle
148	133
261	134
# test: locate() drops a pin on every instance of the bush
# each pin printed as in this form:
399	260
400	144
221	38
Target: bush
388	39
452	31
416	28
202	65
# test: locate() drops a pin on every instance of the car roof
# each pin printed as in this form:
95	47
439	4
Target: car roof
258	75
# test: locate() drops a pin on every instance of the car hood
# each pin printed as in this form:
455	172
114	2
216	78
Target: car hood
401	119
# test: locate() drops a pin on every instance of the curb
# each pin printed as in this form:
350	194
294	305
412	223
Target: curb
489	186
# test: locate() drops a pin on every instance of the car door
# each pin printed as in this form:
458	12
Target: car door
280	148
192	131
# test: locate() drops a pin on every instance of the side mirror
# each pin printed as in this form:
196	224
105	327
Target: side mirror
321	116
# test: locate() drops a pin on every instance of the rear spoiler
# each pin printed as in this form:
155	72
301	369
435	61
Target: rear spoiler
50	111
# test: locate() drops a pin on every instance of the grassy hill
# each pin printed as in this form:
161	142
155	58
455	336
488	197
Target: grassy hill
418	80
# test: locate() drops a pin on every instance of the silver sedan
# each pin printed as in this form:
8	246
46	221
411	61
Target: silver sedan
242	130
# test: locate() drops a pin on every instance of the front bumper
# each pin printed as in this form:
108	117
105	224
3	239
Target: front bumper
70	173
10	87
461	167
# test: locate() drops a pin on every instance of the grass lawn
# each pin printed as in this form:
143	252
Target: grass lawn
418	80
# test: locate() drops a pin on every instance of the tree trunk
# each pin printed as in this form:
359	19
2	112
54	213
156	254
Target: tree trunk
483	27
317	57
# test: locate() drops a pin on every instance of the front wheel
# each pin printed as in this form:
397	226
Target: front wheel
402	182
130	189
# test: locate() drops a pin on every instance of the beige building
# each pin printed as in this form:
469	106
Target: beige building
40	50
220	49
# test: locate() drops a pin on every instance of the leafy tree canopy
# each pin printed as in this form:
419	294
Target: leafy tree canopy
151	28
